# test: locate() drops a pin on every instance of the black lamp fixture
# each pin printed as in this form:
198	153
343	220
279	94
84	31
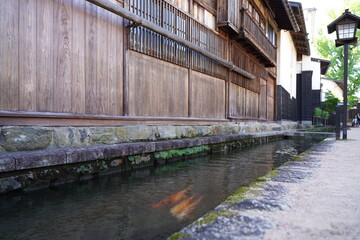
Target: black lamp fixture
345	26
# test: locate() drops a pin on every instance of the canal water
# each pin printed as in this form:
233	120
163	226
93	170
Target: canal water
145	204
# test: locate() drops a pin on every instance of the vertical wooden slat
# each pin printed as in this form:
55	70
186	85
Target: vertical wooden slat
62	55
112	64
190	84
9	55
45	56
78	57
119	73
27	55
91	59
102	88
125	65
115	67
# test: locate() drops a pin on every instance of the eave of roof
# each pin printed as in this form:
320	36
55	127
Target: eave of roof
284	15
338	82
300	38
324	64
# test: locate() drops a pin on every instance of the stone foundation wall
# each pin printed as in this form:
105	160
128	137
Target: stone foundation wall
14	139
38	157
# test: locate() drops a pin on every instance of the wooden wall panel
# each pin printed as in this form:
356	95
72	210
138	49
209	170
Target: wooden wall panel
115	68
9	55
271	99
62	44
237	101
102	83
61	56
78	57
270	109
252	104
156	88
27	55
208	96
91	103
44	57
263	99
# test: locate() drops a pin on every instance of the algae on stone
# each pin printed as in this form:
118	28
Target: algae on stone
212	216
175	153
178	236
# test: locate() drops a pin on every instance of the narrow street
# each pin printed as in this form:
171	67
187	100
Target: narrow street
327	204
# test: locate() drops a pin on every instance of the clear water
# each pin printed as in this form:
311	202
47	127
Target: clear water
146	204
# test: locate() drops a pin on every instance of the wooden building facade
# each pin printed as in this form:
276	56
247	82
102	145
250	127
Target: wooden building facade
114	62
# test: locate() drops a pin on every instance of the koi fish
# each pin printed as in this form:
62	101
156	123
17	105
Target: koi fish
184	208
172	198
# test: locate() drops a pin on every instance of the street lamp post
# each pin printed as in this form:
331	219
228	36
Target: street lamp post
345	26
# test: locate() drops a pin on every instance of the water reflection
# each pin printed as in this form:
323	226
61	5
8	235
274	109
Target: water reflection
146	204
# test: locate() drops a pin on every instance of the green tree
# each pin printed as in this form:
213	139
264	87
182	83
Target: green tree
317	114
327	50
330	102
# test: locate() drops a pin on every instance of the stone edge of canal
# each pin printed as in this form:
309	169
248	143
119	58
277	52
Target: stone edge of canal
42	169
267	193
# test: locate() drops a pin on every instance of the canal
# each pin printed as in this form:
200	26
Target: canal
144	204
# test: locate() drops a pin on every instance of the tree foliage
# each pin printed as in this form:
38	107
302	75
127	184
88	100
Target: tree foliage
327	50
330	102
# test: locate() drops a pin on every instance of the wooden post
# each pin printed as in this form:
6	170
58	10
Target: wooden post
337	122
189	90
126	65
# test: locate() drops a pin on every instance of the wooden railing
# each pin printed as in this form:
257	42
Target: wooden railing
180	23
262	42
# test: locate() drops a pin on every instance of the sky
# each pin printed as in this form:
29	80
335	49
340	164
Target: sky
322	8
322	18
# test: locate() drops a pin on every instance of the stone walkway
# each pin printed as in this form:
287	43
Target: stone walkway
317	197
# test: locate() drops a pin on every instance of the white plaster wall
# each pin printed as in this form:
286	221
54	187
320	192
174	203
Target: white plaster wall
328	85
308	65
287	63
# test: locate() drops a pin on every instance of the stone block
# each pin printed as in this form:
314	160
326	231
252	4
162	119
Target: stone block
140	160
82	136
9	184
2	150
102	135
185	132
128	149
116	162
202	131
141	133
40	159
168	145
25	138
121	134
84	154
167	132
7	163
64	137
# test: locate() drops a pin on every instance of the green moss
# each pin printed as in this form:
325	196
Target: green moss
83	169
211	217
134	157
103	166
252	190
174	153
271	174
299	157
321	130
178	236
